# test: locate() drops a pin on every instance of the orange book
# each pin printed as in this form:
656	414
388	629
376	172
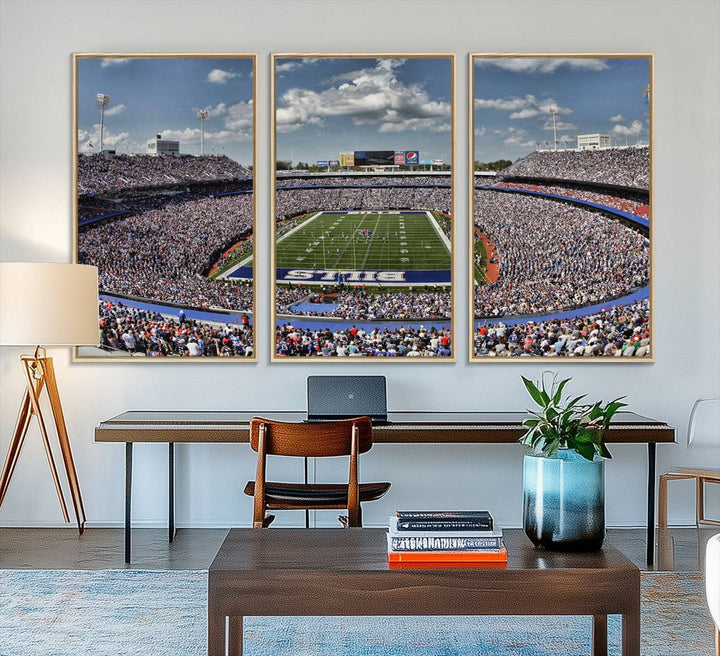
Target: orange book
450	557
447	565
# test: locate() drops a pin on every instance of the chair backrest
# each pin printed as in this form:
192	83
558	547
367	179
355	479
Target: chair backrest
704	423
311	440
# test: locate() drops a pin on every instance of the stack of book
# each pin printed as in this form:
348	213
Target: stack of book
445	538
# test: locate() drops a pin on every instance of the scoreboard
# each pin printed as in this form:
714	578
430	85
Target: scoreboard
374	157
383	157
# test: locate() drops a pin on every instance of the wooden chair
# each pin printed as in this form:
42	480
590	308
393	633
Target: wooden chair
703	429
349	437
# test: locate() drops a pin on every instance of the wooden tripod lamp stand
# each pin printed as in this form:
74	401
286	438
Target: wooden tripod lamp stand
54	305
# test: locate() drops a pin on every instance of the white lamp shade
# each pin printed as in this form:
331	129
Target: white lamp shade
48	304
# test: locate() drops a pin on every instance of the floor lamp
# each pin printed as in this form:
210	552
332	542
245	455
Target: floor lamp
46	304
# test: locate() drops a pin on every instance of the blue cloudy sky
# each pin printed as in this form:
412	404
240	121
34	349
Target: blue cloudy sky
152	96
512	97
326	106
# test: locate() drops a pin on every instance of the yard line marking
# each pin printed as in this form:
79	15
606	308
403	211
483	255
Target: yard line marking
438	229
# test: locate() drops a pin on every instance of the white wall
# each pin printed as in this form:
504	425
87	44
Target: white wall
35	218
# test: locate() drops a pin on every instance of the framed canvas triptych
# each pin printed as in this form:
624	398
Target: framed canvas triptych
362	221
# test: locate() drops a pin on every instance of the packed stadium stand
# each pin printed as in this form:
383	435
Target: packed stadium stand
571	232
99	173
626	167
154	227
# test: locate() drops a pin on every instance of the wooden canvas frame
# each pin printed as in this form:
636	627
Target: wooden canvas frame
615	323
343	88
172	302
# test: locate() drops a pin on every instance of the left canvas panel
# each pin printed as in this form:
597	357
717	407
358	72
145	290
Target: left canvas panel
164	160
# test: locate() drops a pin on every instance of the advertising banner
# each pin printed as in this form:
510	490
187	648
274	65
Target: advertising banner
412	157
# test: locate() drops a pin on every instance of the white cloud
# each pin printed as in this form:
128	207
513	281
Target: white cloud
240	117
114	110
191	136
618	118
559	125
624	131
113	61
528	112
527	107
514	137
415	125
89	140
287	66
218	76
374	96
480	132
541	65
505	104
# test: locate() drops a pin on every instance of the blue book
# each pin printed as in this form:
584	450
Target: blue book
444	520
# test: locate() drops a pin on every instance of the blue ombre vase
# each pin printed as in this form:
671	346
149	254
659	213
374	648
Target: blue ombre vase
564	501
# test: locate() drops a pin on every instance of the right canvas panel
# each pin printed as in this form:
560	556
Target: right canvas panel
561	207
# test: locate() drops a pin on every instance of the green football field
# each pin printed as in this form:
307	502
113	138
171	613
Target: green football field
363	241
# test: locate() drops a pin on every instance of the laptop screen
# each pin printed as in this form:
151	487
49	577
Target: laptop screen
340	397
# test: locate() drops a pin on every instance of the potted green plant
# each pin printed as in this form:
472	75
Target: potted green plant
564	467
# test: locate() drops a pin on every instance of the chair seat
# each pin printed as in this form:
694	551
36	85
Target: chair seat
713	474
316	495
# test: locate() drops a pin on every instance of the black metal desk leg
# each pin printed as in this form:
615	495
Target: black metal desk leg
171	491
651	505
128	497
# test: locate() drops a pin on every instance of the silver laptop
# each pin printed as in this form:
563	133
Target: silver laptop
342	397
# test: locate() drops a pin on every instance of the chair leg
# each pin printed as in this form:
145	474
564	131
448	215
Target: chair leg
699	501
354	517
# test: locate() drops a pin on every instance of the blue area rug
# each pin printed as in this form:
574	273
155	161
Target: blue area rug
130	612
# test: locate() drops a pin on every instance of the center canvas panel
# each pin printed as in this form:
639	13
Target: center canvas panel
363	207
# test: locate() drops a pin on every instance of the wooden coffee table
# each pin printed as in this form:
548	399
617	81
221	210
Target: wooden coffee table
275	572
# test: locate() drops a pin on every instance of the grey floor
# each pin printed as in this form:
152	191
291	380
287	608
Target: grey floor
679	549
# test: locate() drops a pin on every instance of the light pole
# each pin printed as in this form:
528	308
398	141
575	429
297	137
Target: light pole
554	112
103	101
646	95
202	115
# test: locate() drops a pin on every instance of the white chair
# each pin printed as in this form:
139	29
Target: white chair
703	431
712	584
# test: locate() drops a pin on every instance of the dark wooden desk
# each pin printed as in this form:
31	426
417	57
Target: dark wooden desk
276	572
205	426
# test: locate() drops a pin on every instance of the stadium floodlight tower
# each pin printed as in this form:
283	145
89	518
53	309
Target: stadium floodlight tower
202	115
103	100
554	112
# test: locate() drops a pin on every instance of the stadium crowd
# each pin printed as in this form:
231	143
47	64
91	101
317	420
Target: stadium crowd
143	332
628	167
555	256
391	180
97	173
361	305
622	331
162	251
291	202
632	204
355	341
